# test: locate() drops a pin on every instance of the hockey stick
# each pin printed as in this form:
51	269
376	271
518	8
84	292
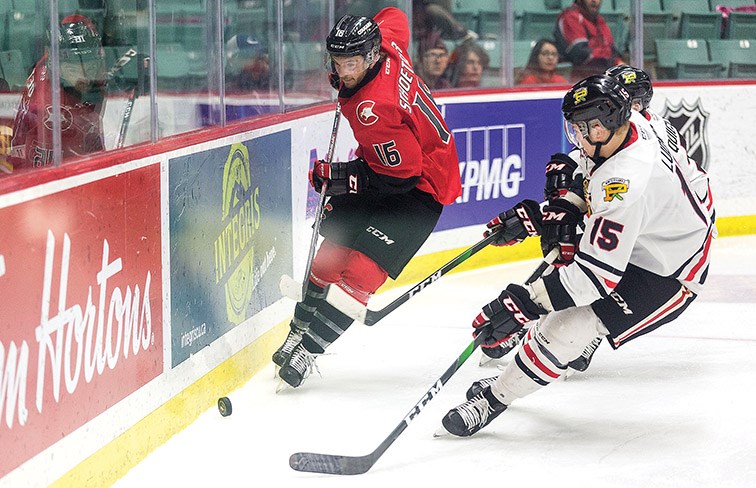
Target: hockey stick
321	202
356	310
126	118
348	465
120	63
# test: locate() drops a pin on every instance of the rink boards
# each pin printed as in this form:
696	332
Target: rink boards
136	293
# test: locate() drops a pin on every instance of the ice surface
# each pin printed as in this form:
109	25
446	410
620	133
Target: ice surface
674	408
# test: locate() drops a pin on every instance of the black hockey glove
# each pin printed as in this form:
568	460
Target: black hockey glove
560	179
560	221
517	223
348	177
505	316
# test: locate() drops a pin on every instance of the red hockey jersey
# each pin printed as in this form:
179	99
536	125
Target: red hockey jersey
398	127
81	122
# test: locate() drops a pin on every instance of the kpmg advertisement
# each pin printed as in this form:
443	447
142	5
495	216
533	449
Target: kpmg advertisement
503	148
230	237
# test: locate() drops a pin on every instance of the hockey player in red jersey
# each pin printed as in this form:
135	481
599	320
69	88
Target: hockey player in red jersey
82	100
641	261
384	204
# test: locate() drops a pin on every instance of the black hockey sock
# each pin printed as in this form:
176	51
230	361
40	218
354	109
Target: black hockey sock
327	325
314	296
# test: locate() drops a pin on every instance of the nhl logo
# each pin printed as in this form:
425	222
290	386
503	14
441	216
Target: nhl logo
690	122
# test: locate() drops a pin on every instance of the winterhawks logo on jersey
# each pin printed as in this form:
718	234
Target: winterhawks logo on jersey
614	188
690	121
365	112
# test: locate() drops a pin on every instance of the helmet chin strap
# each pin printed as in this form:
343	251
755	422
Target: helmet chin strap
598	145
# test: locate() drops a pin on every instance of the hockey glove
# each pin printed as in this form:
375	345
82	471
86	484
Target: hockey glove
560	176
517	223
560	221
348	177
504	317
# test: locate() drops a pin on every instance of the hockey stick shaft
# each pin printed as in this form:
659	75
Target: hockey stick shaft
120	63
126	118
321	202
357	311
350	465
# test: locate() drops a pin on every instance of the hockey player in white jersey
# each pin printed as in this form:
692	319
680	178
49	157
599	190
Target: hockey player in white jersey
638	85
641	261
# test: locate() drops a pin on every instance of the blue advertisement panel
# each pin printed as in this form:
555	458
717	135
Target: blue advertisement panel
230	237
503	148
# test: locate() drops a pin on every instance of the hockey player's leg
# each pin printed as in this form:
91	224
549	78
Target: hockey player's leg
559	338
303	312
360	277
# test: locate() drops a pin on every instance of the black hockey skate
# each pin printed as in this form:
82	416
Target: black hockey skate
468	418
298	366
584	360
284	352
479	386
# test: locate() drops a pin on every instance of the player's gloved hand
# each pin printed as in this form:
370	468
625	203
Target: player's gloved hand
560	172
517	223
560	221
505	316
342	177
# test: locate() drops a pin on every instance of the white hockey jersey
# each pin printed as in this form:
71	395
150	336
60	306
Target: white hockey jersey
644	209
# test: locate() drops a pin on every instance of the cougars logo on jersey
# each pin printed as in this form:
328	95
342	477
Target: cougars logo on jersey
365	112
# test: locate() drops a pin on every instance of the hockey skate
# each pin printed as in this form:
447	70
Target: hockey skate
479	386
284	352
298	366
584	360
468	418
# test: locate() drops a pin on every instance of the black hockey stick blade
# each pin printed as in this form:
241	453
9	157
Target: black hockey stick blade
328	464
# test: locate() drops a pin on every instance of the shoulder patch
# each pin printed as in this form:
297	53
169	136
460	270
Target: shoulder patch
614	188
365	112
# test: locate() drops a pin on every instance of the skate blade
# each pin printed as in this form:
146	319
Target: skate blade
282	386
441	432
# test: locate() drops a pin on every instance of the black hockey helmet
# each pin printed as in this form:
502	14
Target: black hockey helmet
355	36
597	97
636	82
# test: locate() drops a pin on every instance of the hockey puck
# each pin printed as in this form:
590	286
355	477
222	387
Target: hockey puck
224	406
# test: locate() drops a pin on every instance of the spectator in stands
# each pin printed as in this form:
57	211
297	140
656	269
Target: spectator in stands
434	58
466	65
82	99
541	67
248	63
431	16
583	38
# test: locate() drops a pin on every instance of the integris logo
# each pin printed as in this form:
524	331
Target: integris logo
234	250
690	121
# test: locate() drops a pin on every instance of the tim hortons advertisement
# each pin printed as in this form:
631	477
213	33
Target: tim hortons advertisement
503	148
81	308
230	227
